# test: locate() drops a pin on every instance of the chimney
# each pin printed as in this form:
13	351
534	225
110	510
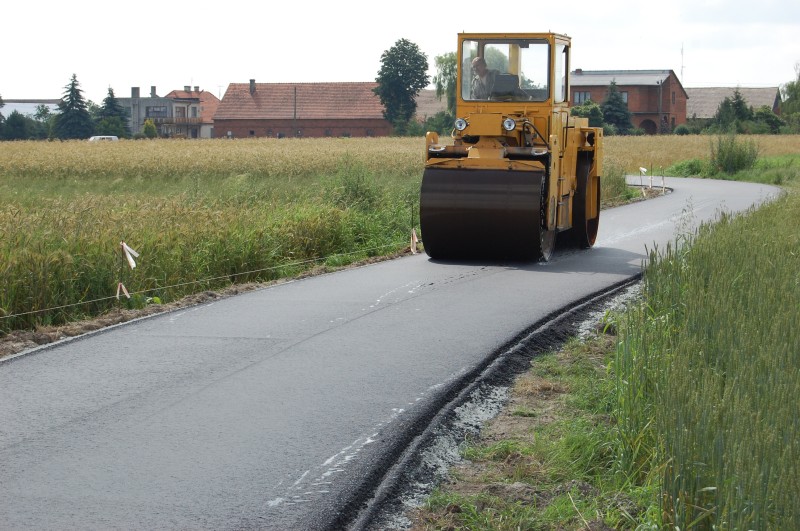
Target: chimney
153	91
579	70
196	88
252	86
187	88
134	92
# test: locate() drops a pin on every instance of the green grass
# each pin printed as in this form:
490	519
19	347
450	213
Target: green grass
557	472
708	374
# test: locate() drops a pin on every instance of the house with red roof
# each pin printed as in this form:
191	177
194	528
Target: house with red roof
187	113
655	98
279	110
193	112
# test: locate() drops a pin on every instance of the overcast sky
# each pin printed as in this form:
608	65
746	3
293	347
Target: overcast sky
169	45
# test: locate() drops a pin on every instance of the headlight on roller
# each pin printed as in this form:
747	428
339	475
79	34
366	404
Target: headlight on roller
509	124
460	124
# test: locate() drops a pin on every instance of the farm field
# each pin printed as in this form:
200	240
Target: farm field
204	214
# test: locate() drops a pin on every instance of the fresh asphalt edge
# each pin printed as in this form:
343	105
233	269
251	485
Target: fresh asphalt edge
378	503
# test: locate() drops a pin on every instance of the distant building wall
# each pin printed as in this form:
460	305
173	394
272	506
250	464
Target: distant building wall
301	128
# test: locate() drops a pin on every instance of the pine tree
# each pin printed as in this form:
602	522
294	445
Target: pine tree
73	120
113	117
615	110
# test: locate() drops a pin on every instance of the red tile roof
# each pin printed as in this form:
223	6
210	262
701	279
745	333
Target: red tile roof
208	102
308	100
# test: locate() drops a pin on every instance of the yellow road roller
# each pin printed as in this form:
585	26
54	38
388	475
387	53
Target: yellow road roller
519	172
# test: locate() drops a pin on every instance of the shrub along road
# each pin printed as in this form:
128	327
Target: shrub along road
283	407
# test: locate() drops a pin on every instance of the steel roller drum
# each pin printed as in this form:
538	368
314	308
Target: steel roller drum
470	213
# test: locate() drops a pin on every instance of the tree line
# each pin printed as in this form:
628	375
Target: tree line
403	74
75	118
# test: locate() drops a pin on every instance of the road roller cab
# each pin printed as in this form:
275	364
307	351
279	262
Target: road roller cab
519	171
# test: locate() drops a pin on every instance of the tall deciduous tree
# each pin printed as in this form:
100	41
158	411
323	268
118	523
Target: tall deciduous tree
402	75
445	79
615	110
73	120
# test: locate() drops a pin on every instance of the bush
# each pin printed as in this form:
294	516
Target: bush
689	168
609	129
730	155
682	130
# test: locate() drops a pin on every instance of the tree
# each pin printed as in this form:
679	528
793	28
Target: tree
73	120
764	115
790	94
149	129
113	119
2	104
615	111
733	111
591	110
15	127
43	113
402	75
445	79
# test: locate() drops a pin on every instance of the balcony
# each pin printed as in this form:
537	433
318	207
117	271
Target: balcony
172	120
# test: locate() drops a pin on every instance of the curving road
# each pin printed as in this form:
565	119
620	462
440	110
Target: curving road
281	408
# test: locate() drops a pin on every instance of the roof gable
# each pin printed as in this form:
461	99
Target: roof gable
303	101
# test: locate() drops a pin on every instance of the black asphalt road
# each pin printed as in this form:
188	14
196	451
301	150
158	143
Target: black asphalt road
274	409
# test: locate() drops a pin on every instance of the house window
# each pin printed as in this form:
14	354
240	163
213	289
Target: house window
252	133
673	98
582	97
328	132
624	96
156	111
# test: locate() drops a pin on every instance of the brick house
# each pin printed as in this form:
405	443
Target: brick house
300	110
653	96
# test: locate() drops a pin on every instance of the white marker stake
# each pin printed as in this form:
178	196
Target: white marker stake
121	286
129	254
414	241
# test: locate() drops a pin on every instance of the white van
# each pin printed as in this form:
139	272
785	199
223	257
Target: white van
110	138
